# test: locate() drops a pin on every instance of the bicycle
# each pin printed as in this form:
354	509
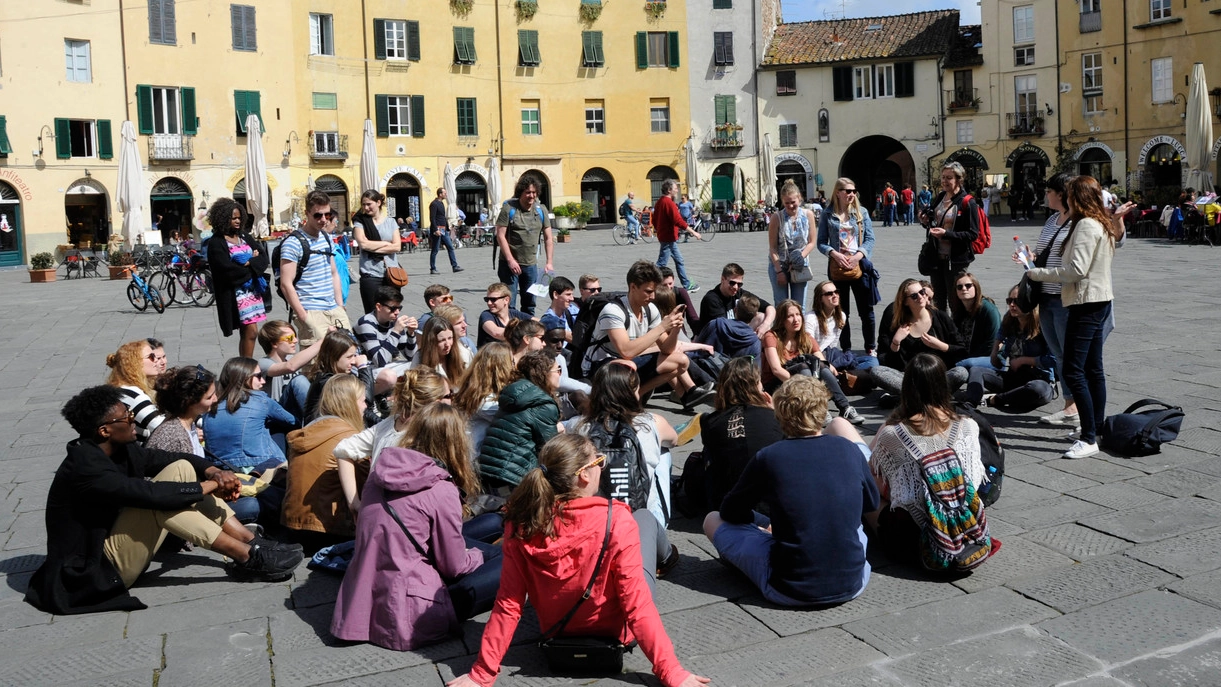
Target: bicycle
141	294
623	236
706	230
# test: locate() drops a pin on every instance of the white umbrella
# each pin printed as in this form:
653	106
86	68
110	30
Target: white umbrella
130	189
769	172
451	195
256	176
493	188
1199	132
693	181
368	160
738	183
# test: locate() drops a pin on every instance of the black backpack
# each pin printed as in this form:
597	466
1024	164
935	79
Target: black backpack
991	454
583	327
625	475
306	251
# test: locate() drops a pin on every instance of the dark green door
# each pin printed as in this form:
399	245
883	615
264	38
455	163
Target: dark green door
722	188
10	234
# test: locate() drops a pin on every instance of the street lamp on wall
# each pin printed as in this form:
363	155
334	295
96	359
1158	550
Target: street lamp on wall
1176	100
50	134
288	143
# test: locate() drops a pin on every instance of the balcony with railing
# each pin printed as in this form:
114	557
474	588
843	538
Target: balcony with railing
328	146
1090	22
962	100
1026	123
170	147
725	136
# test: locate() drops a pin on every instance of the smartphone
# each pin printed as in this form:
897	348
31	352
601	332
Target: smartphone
681	308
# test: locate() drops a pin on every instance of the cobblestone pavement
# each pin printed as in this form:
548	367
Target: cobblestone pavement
1109	574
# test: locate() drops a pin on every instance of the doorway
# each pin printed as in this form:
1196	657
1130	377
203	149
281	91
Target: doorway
11	235
598	187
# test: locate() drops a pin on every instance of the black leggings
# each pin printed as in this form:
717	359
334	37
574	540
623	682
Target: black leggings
368	291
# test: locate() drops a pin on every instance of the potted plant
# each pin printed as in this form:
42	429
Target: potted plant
526	9
563	218
42	267
655	8
563	235
582	212
591	10
121	264
461	7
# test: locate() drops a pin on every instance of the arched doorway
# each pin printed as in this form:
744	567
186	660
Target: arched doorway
12	237
873	161
974	164
598	187
656	176
1029	167
1096	163
544	190
723	192
1163	167
472	195
172	201
791	170
337	191
403	198
239	194
88	212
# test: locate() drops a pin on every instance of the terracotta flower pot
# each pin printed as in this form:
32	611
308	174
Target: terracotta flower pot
120	271
41	276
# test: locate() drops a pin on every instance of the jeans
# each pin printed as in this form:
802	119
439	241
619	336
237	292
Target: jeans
633	226
981	361
864	307
909	213
890	380
1053	320
1083	370
518	283
1012	395
889	214
474	592
436	246
791	290
485	528
654	544
679	269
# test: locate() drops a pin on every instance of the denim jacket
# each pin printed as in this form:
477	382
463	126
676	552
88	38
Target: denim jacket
828	233
242	439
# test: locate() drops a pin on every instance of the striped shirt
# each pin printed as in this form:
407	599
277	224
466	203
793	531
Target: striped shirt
1052	288
315	289
148	417
381	343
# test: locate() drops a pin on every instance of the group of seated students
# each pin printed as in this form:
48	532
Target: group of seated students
474	474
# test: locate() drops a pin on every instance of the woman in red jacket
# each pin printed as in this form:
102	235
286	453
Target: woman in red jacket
555	529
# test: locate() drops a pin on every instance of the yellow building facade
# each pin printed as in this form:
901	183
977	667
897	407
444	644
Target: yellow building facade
592	98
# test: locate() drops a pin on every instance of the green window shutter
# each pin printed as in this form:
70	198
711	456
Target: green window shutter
599	55
5	147
527	45
105	140
190	124
417	116
252	102
63	139
673	49
381	105
642	50
905	79
731	109
719	101
534	51
413	41
722	4
379	39
470	44
240	111
460	54
144	108
587	48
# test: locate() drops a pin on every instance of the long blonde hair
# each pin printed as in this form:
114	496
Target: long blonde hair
854	205
490	372
127	366
417	388
340	398
439	432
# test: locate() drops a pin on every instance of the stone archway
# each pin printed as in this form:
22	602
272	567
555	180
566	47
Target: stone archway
873	161
598	187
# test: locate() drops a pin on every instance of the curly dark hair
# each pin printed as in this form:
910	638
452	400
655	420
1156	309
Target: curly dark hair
179	388
86	410
221	213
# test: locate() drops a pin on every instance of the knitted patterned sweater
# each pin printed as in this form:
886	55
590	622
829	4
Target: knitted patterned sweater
898	470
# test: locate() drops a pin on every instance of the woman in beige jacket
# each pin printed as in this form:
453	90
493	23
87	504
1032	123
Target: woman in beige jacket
1085	272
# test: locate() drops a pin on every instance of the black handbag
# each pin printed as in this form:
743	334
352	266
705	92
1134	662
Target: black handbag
807	364
1133	433
1029	290
926	261
585	655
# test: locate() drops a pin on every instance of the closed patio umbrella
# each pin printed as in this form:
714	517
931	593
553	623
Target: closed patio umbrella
693	181
368	160
493	188
257	201
130	188
738	183
1199	132
769	172
450	185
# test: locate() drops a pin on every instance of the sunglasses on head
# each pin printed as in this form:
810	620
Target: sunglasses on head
320	215
201	373
597	461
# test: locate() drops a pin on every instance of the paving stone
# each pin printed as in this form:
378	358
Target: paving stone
1090	583
868	676
885	593
1134	625
1202	439
328	664
1016	494
65	632
1042	475
417	676
1096	469
184	576
783	661
1016	558
1000	528
948	621
1185	555
240	603
302	629
1096	681
18	562
527	632
1208	466
699	584
712	629
1158	521
1077	542
132	678
524	666
1053	511
233	654
314	589
1017	658
16	613
95	660
1196	666
1177	482
1119	495
1205	588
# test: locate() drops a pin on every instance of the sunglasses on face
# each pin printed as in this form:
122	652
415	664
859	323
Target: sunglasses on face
596	462
848	190
965	287
448	396
288	338
1011	301
392	308
596	289
492	299
447	298
737	284
154	358
129	417
320	215
259	376
825	294
916	295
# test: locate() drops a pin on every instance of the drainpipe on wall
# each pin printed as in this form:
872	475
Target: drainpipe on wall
1127	154
123	52
500	100
754	79
1059	105
364	37
928	161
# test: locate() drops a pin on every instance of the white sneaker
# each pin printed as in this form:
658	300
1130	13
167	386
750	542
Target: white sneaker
1061	418
1080	449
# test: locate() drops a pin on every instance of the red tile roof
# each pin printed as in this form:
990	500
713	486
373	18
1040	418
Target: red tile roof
918	34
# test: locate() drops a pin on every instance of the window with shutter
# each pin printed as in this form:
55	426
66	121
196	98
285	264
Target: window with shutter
321	34
788	135
786	82
527	48
242	18
190	124
165	111
417	116
722	48
841	82
326	101
105	140
76	59
464	45
468	123
6	148
246	103
162	27
592	55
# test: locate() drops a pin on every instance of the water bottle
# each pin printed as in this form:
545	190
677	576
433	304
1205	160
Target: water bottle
1023	253
990	480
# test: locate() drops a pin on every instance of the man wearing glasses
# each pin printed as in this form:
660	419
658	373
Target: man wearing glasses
386	333
314	296
721	301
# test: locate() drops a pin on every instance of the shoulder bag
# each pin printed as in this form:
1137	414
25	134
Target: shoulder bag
1028	289
1136	432
838	273
793	257
585	655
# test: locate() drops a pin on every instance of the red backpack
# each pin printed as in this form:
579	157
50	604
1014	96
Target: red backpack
983	241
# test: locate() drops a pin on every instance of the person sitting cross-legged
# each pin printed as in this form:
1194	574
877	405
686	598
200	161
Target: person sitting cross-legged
817	487
734	337
112	503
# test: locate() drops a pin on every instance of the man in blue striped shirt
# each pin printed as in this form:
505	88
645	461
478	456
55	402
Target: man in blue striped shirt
316	298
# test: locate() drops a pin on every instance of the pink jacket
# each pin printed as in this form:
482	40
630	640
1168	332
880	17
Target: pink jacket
553	573
391	596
